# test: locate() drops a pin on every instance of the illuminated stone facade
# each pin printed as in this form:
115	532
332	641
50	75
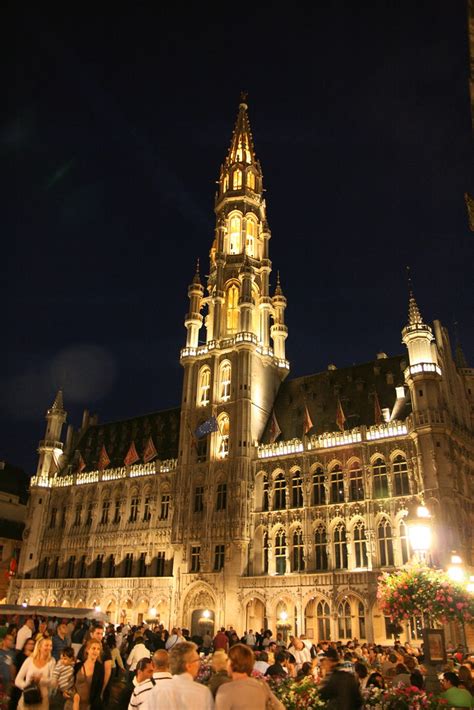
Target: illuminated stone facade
285	511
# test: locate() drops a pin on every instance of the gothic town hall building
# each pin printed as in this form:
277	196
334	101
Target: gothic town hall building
296	494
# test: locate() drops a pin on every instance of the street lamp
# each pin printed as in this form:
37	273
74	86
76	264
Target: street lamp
419	532
456	571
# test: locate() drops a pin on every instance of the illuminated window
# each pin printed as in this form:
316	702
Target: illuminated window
405	550
361	609
225	184
344	620
204	387
251	180
324	621
319	492
337	485
384	534
380	479
321	548
235	228
279	493
356	483
224	384
280	552
297	490
265	553
401	485
232	309
298	551
237	179
250	237
360	550
340	547
223	433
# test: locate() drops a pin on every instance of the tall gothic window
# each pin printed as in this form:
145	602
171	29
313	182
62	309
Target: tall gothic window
265	553
401	485
199	499
337	485
98	565
219	557
52	520
117	512
380	479
319	492
77	518
105	512
224	431
279	493
160	564
195	558
321	548
404	545
280	552
297	490
128	566
237	179
251	180
134	510
344	620
340	547
221	501
362	631
251	237
232	309
298	551
235	227
70	566
356	482
204	387
384	534
265	493
83	567
147	509
111	567
360	549
224	382
324	621
165	506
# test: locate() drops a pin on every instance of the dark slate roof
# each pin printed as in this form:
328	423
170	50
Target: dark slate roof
355	386
162	427
11	529
14	480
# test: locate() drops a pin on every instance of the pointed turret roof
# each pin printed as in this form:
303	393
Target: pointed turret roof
58	404
241	146
414	315
278	289
197	277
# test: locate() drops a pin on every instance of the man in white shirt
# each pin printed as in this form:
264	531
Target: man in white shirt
181	691
24	634
261	664
250	639
161	665
143	683
138	652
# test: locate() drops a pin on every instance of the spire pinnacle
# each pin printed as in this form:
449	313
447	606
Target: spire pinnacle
197	277
414	315
58	404
278	289
241	146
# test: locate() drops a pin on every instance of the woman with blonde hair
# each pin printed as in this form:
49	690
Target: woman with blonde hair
37	669
219	675
244	692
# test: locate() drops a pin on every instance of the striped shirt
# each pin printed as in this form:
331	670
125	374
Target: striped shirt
142	689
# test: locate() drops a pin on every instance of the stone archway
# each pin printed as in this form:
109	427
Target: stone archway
199	599
255	617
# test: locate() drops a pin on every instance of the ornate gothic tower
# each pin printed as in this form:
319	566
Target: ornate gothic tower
230	380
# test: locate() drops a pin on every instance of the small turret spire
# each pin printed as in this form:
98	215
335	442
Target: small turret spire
278	289
241	147
414	315
197	277
58	404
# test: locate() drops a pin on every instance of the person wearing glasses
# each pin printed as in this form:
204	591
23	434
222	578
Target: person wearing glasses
181	691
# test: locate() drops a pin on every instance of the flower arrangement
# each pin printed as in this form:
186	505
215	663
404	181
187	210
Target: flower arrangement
416	591
408	698
296	695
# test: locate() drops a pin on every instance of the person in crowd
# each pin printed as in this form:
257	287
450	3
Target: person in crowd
279	669
60	641
78	635
206	643
161	665
280	641
96	633
242	691
375	680
362	674
219	675
417	680
42	631
38	668
271	650
300	652
90	678
19	659
455	696
7	661
63	678
138	652
261	664
221	640
306	671
24	633
181	691
340	687
144	682
465	679
401	677
250	639
174	638
117	662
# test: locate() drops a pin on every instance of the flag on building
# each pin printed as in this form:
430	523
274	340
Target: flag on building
103	459
275	430
340	416
132	455
206	428
81	464
378	416
307	422
150	451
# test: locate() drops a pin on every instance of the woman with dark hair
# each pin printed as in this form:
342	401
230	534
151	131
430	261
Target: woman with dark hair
117	662
89	679
20	658
376	681
244	692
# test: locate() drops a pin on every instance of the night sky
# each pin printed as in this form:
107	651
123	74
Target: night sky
114	130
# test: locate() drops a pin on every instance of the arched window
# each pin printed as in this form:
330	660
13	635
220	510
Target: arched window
324	621
234	234
356	482
298	551
223	433
384	534
344	622
204	387
280	552
404	548
321	548
340	547
251	236
225	184
361	614
265	493
224	382
297	490
360	550
401	485
380	479
279	492
319	491
251	180
265	553
232	309
237	179
337	485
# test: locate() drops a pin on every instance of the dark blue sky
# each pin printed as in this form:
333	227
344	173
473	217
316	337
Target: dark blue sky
115	128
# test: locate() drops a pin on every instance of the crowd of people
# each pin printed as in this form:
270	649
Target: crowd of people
82	665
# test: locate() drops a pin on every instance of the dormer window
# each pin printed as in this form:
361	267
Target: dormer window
251	180
237	179
225	184
225	378
232	309
204	387
234	234
251	236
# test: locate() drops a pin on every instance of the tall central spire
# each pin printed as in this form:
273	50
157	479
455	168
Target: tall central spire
241	147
